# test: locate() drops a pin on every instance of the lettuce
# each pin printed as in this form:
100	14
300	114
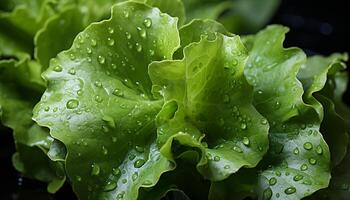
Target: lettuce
142	102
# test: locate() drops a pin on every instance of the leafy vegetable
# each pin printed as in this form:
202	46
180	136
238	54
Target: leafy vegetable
137	104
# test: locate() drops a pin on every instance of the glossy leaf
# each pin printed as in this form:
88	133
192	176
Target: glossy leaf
298	161
100	89
208	107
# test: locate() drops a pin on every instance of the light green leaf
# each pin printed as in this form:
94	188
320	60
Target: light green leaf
101	92
27	16
208	107
318	75
298	161
54	37
193	31
174	8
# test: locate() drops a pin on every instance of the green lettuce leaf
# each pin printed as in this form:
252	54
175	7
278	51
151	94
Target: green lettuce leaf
298	161
100	91
208	106
32	142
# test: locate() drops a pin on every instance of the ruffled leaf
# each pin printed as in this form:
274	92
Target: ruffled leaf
100	89
208	107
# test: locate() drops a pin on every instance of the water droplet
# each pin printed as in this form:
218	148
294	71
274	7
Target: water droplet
296	151
277	105
147	22
263	121
139	149
139	163
95	169
80	92
110	41
216	158
237	149
307	146
124	181
151	52
277	195
132	157
226	98
243	126
72	71
234	62
142	32
88	50
134	176
78	178
101	59
128	35
114	139
93	42
312	161
272	181
246	141
116	171
72	56
98	84
73	103
303	167
267	194
104	150
290	190
57	68
111	185
98	99
110	30
298	177
319	150
138	47
126	14
278	173
227	167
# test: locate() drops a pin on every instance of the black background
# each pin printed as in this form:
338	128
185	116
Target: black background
318	27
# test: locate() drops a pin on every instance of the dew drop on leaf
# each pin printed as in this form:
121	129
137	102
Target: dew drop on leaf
111	185
138	47
101	59
128	35
95	169
319	150
267	194
98	99
298	177
303	167
71	71
312	161
216	158
272	181
93	42
116	171
134	176
57	68
243	126
73	103
110	41
147	22
307	146
110	30
237	149
290	190
246	141
142	32
296	151
139	163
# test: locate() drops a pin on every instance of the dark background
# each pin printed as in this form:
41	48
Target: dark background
318	27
